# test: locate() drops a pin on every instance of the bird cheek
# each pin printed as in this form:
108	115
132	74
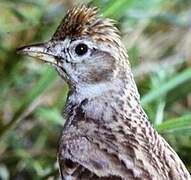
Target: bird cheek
100	76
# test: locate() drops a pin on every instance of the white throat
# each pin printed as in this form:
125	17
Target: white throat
92	91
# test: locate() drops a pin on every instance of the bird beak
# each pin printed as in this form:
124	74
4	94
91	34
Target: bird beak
39	51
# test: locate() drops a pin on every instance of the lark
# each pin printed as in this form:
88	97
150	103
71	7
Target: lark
107	134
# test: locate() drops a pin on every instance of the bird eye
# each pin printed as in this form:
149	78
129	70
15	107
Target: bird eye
81	49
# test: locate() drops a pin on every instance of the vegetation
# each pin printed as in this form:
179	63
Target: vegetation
157	34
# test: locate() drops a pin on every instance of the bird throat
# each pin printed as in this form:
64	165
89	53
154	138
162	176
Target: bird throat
110	104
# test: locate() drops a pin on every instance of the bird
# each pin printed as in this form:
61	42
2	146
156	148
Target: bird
107	135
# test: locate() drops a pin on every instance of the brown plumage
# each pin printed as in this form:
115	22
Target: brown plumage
107	134
82	21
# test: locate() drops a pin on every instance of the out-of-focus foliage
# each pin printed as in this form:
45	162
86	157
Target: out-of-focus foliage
157	34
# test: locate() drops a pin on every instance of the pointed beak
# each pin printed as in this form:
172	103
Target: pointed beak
40	51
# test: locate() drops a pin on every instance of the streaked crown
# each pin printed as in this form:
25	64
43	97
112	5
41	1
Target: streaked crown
84	21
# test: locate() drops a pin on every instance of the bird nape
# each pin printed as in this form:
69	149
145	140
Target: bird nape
107	134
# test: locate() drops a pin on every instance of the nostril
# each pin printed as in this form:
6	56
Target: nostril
58	59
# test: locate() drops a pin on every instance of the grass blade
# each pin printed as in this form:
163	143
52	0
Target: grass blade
115	7
43	83
167	86
183	122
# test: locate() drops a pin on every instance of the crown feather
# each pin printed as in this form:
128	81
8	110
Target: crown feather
84	21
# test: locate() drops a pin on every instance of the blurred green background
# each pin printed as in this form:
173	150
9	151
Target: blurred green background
157	35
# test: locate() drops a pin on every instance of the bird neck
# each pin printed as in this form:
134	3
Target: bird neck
106	102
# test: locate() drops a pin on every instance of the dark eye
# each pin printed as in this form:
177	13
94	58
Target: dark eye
81	49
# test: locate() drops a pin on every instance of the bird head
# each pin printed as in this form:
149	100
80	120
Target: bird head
86	49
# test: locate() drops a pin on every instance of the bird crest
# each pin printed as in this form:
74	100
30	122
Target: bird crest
84	21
